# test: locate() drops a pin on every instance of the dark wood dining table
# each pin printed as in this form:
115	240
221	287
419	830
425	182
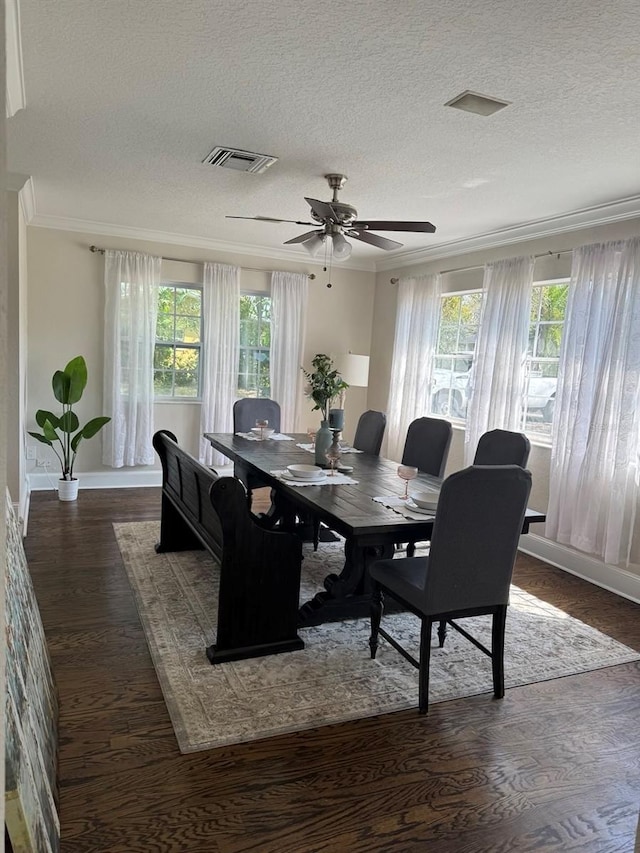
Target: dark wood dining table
370	529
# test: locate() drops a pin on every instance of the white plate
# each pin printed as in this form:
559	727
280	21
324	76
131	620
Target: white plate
305	472
287	475
415	508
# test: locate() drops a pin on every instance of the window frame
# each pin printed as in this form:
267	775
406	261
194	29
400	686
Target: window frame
536	436
176	344
257	294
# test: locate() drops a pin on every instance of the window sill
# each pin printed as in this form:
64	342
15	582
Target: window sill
180	401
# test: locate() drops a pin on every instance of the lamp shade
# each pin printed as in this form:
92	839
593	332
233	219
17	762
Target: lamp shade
314	244
353	368
341	248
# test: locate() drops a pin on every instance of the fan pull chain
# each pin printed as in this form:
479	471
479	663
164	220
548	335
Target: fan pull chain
330	251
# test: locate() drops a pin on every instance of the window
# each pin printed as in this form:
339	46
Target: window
255	344
459	320
548	306
176	360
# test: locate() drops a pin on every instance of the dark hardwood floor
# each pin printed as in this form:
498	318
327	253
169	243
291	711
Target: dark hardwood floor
551	767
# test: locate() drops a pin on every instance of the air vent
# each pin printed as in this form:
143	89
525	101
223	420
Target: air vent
241	161
473	102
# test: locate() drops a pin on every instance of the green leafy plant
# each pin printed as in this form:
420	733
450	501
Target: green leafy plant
325	383
68	386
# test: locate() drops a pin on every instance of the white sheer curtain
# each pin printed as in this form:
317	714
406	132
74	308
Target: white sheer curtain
131	282
498	379
219	367
417	320
289	295
594	460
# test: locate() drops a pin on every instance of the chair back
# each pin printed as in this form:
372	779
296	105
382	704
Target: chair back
250	409
427	445
475	537
502	447
370	432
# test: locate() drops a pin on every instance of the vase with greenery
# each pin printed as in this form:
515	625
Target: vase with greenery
324	385
62	432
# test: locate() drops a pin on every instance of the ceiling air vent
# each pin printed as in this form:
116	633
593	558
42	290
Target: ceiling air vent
241	161
473	102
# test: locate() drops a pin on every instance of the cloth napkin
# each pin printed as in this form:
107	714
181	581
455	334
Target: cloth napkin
253	436
398	504
336	479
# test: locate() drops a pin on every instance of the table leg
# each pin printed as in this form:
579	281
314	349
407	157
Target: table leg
347	595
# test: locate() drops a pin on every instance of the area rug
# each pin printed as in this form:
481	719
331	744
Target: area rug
333	679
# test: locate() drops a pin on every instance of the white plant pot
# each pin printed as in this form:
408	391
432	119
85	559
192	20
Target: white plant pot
68	489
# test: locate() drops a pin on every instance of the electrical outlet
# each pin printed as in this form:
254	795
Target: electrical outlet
32	452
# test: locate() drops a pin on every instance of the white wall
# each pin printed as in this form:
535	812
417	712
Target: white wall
550	266
65	319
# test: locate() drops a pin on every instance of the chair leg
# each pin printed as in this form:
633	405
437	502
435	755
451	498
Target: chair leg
442	632
411	549
497	650
377	606
425	660
316	533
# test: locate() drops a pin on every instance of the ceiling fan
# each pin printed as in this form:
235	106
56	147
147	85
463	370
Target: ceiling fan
337	219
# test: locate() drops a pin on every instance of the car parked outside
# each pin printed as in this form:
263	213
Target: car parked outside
450	389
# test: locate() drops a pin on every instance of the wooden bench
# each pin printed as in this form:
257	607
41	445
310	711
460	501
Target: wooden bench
259	568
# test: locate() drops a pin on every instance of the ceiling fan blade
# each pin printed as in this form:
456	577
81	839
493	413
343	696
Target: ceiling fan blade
302	237
395	226
374	239
322	209
270	219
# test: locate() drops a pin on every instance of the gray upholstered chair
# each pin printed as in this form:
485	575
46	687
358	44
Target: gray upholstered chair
502	447
426	446
245	414
468	571
370	432
250	409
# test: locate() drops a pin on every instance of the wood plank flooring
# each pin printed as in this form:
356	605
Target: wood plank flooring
552	767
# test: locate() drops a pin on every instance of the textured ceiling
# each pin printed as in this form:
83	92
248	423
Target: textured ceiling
125	99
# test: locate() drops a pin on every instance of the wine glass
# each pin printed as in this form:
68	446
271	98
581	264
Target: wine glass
262	423
333	455
311	434
406	473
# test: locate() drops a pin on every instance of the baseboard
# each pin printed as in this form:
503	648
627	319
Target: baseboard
611	578
118	479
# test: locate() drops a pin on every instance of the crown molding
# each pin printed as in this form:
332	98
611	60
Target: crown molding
27	198
16	97
105	229
603	214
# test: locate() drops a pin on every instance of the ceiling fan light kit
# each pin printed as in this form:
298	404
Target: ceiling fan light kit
337	219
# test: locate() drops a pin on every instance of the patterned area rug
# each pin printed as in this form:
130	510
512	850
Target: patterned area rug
333	679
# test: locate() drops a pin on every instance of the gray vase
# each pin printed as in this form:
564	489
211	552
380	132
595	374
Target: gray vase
324	437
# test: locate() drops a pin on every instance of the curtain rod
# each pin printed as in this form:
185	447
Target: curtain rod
481	266
100	251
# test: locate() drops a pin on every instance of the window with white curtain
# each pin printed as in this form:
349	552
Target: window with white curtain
176	360
457	333
255	346
548	306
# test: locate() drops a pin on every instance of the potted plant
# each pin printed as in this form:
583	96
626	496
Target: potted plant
68	387
325	384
